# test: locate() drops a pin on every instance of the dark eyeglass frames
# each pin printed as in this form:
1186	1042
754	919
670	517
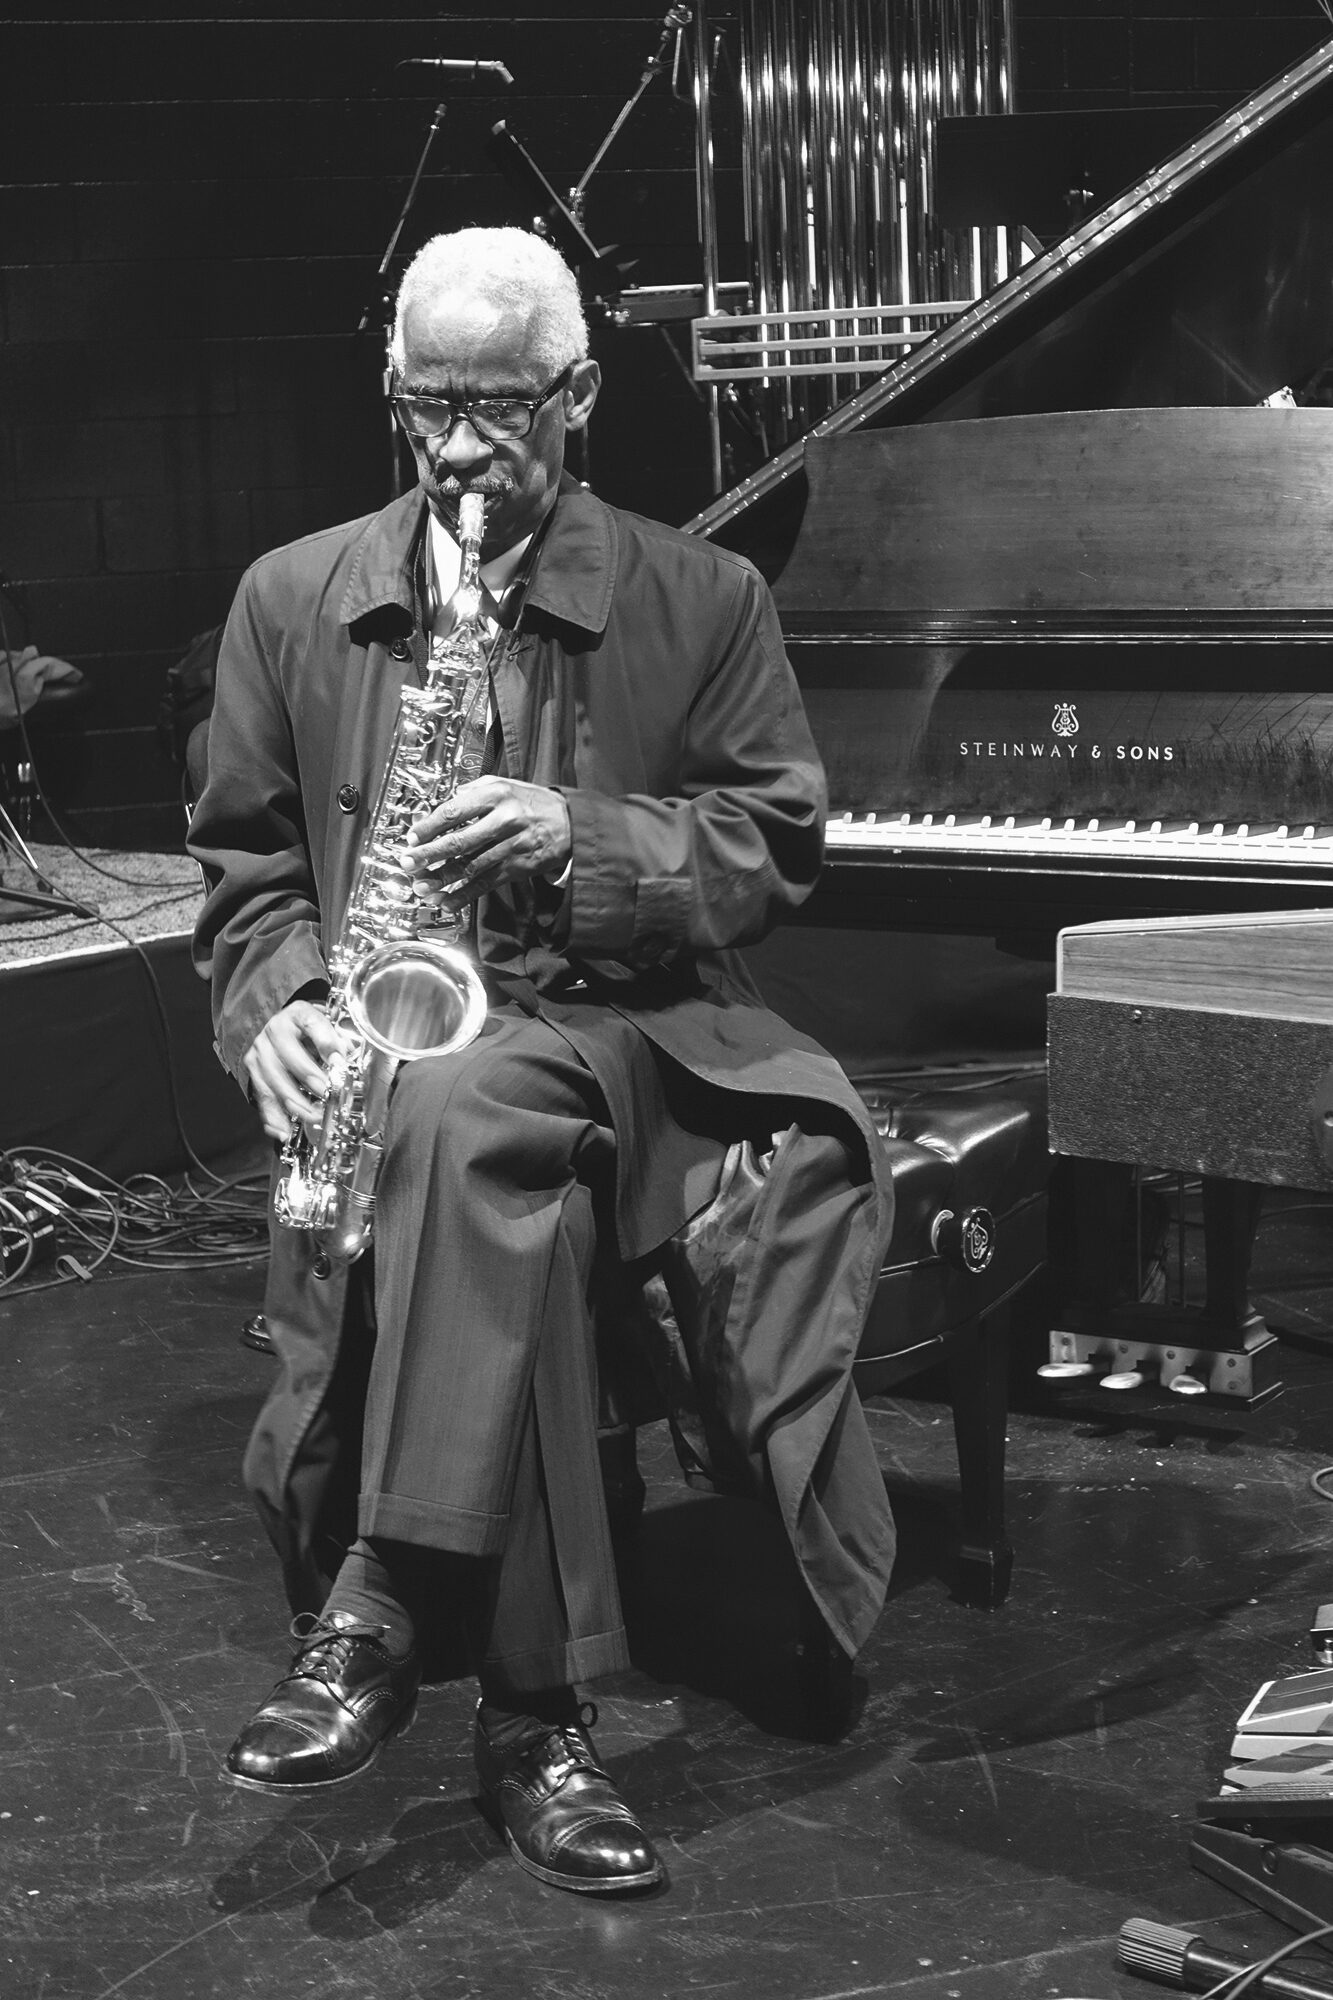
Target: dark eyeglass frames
493	418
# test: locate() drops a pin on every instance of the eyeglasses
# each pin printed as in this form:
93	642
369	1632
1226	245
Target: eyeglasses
491	417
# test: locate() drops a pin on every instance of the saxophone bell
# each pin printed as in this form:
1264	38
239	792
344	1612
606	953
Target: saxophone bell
416	998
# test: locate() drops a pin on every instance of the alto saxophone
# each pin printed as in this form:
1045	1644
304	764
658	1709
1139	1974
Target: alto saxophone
400	981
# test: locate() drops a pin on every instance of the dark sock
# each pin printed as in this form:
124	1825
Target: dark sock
511	1716
364	1589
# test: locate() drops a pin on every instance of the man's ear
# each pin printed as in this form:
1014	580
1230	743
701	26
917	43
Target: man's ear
581	394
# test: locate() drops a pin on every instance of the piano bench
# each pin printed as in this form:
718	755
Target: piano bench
970	1169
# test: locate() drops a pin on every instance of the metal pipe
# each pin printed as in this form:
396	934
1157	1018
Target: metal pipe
707	196
840	104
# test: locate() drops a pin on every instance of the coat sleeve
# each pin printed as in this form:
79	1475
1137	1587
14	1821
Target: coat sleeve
257	938
739	840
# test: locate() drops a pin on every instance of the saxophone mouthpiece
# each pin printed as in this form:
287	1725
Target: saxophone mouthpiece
471	516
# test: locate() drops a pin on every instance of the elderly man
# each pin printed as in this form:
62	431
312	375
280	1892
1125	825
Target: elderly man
652	798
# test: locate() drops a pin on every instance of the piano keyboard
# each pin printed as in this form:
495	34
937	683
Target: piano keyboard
1018	837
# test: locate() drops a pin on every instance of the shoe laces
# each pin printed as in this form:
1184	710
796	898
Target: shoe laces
575	1745
323	1644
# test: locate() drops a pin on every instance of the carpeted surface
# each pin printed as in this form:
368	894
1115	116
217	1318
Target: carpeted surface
135	896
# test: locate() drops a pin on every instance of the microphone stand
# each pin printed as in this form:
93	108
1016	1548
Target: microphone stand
28	904
46	900
677	20
380	297
675	24
377	306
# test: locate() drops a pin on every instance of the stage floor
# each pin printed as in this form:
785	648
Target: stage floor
1018	1785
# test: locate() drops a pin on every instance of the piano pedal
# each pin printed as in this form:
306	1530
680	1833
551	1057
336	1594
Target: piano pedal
1165	1372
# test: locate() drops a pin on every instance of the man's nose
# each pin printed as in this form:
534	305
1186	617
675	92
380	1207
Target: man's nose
462	448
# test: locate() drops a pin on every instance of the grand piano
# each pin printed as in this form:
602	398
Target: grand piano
1059	592
1059	586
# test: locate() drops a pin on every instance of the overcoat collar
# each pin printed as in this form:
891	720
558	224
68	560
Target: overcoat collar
574	580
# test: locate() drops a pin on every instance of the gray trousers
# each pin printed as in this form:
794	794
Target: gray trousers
481	1413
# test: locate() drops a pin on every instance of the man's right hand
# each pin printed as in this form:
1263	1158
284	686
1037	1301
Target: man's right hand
286	1066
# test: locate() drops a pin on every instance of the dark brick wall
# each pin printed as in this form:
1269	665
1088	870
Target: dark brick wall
1090	54
191	213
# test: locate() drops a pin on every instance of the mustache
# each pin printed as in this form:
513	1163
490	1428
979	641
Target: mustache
448	487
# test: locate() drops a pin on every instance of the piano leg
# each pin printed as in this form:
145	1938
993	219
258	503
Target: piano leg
1230	1218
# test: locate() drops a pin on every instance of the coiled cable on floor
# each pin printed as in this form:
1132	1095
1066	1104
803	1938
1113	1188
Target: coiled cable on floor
57	1211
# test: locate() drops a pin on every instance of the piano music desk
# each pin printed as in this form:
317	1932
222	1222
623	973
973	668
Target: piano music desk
1203	1046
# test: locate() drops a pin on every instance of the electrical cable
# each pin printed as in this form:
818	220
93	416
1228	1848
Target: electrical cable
1182	1959
140	1224
14	1221
1233	1986
164	1027
184	1229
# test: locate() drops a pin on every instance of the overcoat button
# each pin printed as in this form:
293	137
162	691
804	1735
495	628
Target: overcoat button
349	798
401	649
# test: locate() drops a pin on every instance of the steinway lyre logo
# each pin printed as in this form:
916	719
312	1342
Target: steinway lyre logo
1064	723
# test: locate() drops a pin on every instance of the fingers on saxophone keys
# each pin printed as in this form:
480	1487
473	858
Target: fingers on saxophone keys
307	1075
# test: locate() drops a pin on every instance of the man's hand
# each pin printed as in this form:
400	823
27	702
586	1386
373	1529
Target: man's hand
492	830
285	1065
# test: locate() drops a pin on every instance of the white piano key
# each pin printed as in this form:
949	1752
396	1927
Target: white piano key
1012	836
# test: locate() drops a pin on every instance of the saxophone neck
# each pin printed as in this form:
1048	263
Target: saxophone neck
466	600
471	528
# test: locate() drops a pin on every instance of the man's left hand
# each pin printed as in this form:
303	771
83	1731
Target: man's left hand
491	831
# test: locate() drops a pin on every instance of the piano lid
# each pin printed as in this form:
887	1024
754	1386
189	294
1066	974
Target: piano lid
1210	282
1159	523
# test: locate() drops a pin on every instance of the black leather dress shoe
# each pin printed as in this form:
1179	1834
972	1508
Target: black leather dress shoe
331	1714
562	1817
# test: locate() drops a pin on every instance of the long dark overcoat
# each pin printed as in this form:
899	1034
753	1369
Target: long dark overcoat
648	681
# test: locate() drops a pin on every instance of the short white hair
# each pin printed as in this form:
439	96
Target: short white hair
511	269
